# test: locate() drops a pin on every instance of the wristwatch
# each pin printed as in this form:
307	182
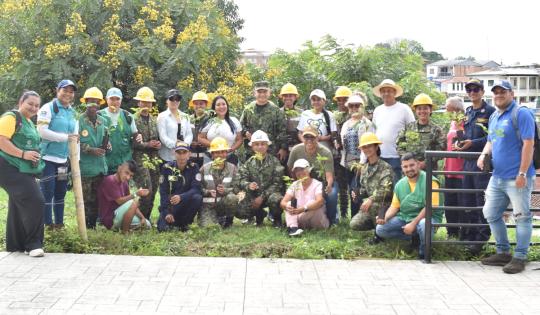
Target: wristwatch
522	174
305	208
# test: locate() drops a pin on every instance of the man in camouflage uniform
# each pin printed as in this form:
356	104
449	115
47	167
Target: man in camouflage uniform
145	154
421	135
93	163
264	115
289	96
260	182
375	185
198	103
219	200
341	115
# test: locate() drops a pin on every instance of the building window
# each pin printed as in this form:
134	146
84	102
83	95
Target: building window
491	82
532	83
522	99
482	81
514	82
431	71
523	83
453	86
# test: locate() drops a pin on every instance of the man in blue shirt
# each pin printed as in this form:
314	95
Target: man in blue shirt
512	180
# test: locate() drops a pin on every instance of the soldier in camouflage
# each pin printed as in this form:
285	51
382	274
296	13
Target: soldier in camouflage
289	96
219	200
421	135
264	115
198	103
145	154
93	163
375	185
260	183
341	115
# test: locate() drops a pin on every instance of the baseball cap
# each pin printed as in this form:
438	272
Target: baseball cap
474	82
310	130
319	93
301	163
181	145
504	84
114	92
65	83
262	85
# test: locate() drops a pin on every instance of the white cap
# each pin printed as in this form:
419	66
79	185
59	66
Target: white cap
318	93
259	135
355	99
302	163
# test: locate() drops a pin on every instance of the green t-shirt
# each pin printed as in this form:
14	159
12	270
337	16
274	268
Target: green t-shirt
324	164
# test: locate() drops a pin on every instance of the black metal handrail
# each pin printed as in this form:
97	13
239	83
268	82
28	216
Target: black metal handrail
429	207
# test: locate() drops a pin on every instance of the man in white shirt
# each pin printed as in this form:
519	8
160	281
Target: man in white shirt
389	119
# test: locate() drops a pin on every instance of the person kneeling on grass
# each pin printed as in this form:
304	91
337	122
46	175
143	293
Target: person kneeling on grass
406	214
304	202
118	208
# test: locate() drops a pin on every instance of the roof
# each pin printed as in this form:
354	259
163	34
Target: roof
457	80
506	72
464	62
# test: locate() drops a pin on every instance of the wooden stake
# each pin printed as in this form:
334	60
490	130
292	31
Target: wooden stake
77	187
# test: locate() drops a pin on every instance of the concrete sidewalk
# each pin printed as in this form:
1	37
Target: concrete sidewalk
98	284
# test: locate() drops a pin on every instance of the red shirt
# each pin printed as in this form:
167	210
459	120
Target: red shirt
452	164
110	190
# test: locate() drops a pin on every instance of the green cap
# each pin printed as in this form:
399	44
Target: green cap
262	85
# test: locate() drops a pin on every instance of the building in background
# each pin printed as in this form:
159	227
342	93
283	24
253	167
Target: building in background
256	57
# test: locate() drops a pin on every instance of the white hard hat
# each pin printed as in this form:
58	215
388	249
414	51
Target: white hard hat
301	163
259	135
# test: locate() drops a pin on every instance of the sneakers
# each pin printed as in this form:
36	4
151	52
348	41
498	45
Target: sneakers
294	231
516	265
497	259
38	252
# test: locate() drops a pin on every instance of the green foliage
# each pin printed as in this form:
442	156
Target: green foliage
164	44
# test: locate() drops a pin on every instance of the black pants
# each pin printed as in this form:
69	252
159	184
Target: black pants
474	200
453	199
24	227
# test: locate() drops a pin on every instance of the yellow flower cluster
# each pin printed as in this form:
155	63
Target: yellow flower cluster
88	48
15	55
77	25
222	27
57	50
116	44
187	83
142	75
165	30
196	31
273	72
113	4
10	7
236	93
150	11
140	28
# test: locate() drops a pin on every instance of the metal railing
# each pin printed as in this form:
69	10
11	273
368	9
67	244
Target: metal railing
430	155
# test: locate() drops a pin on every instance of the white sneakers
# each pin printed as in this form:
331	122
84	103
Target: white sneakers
294	231
38	252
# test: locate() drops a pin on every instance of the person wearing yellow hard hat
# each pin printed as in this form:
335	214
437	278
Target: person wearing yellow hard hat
146	150
122	130
373	185
421	135
221	124
289	96
351	131
219	199
390	118
173	126
198	104
342	113
93	95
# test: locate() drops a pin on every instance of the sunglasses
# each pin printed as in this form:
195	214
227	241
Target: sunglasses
474	89
354	105
174	99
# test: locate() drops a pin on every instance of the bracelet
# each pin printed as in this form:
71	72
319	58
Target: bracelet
22	154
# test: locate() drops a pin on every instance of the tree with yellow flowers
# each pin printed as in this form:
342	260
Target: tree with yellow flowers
189	44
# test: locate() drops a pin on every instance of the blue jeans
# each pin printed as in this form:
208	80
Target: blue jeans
396	166
394	229
331	204
498	194
54	192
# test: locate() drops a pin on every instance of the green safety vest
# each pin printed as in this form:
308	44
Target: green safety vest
120	139
411	203
27	139
92	165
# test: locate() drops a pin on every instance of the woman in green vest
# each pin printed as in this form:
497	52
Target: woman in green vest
20	164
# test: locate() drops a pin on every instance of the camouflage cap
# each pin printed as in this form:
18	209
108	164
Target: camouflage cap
262	85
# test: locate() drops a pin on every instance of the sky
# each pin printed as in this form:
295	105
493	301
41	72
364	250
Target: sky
497	30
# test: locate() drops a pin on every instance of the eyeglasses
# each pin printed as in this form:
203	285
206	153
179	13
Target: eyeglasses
174	99
354	105
474	89
309	138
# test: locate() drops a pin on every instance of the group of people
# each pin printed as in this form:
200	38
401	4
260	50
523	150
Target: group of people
373	165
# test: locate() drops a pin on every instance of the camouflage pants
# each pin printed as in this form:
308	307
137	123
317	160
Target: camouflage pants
90	188
210	212
365	221
146	178
245	211
341	177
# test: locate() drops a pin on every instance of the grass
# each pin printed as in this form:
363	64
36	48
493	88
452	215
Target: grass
338	242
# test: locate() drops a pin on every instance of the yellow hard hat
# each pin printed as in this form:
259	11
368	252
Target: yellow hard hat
219	144
145	94
369	138
423	99
198	96
342	91
288	88
93	92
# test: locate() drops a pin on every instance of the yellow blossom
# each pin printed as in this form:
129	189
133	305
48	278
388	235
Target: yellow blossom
140	28
196	31
187	83
150	11
55	50
165	31
143	74
113	4
15	55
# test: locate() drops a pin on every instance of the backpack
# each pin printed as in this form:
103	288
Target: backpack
536	145
18	120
